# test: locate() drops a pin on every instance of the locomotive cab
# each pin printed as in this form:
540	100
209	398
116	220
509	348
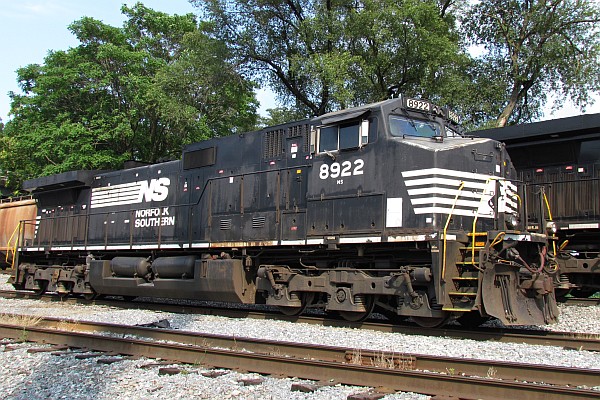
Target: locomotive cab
446	207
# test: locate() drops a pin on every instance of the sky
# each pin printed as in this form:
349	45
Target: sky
30	28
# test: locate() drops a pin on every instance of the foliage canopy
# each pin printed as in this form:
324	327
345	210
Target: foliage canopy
533	48
138	92
320	56
161	81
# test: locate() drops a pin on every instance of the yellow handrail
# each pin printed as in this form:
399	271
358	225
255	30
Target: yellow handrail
477	216
17	230
550	216
460	188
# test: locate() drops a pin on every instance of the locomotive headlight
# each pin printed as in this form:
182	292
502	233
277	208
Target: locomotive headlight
551	227
512	221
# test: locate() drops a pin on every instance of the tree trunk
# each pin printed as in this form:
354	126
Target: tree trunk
510	107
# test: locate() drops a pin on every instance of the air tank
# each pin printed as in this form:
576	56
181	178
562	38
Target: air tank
130	266
181	267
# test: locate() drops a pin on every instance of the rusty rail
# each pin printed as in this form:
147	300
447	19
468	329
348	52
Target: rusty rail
293	359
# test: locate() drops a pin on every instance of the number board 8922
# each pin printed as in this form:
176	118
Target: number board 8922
340	170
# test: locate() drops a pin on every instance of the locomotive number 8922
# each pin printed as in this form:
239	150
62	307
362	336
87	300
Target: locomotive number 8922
385	207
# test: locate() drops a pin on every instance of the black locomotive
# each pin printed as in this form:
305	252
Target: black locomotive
384	206
561	160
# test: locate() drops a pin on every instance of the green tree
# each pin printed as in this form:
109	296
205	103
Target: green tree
319	56
281	115
138	92
532	48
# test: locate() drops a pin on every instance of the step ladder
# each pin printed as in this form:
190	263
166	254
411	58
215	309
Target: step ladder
464	286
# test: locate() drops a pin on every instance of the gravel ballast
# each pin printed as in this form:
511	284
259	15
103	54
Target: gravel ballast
42	375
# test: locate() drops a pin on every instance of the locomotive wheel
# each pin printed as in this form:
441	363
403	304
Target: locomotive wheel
357	316
472	319
42	287
562	293
305	298
431	322
90	296
583	292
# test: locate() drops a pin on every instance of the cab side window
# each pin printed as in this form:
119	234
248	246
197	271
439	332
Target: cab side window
328	140
343	136
349	136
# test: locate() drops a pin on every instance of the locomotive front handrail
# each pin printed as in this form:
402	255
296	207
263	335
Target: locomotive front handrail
460	188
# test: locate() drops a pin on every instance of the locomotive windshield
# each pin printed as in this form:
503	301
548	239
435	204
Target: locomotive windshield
404	126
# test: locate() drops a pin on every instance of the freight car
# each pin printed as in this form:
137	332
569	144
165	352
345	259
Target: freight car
12	211
382	207
561	158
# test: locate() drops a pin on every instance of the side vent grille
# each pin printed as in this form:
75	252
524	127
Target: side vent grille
225	224
300	131
258	222
273	146
296	131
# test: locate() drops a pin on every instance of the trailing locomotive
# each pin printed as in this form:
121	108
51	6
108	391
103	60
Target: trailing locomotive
383	207
561	159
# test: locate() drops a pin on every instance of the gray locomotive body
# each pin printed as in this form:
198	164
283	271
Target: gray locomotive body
379	207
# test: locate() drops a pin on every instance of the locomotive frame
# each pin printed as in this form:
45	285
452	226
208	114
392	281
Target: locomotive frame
382	207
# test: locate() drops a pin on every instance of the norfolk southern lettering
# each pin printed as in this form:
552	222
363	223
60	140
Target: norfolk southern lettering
152	217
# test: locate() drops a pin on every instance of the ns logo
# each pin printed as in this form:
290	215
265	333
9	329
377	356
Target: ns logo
154	190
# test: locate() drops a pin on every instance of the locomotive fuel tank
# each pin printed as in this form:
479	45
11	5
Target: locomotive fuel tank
210	279
180	267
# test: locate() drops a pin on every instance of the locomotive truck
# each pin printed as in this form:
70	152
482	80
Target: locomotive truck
384	207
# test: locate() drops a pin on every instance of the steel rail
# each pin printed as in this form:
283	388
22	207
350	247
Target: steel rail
353	374
569	340
450	365
580	301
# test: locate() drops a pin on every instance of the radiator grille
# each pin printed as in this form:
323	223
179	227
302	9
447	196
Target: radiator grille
572	194
273	146
300	131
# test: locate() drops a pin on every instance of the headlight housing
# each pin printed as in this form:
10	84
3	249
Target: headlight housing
551	227
511	221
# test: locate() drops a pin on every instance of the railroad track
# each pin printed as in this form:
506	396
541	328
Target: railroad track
569	340
580	301
397	371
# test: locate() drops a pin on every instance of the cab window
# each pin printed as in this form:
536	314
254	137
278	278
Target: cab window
343	136
328	139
